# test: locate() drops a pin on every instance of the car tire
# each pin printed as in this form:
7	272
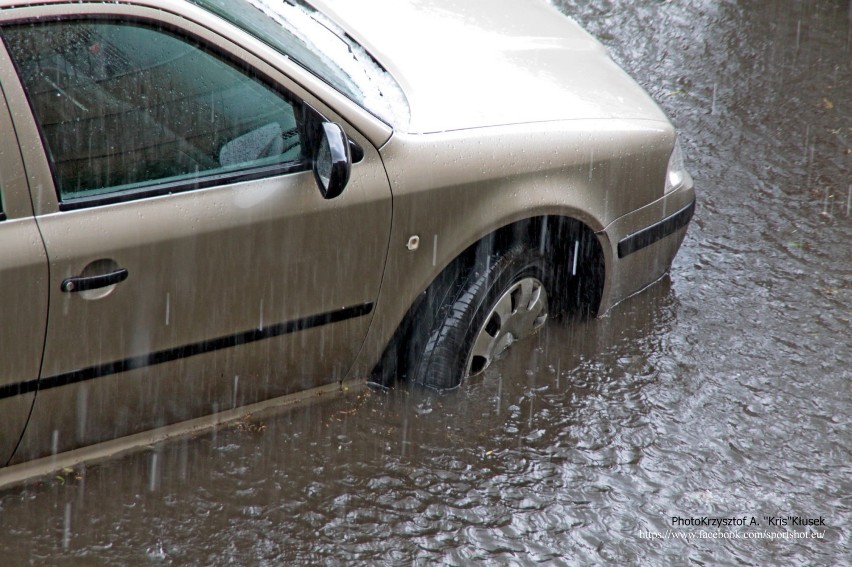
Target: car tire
498	302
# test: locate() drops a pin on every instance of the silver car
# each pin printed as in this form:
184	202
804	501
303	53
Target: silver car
211	203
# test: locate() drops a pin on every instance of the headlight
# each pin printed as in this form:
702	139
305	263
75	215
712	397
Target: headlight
676	173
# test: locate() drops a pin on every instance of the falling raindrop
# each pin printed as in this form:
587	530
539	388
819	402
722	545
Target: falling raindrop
576	249
404	435
798	33
153	473
168	308
183	459
849	31
713	100
66	531
435	250
82	406
848	200
810	162
236	385
591	164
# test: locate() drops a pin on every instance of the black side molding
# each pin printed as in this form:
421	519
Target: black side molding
154	358
656	232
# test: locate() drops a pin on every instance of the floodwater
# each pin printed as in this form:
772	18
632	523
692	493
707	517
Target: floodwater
721	392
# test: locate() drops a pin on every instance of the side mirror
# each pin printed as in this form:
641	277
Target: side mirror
332	161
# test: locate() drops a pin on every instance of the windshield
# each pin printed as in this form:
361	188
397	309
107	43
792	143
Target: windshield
312	40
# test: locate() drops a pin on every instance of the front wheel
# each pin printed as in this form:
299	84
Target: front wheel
488	310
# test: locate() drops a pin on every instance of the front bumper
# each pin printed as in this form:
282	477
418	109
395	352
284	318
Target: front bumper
640	246
657	231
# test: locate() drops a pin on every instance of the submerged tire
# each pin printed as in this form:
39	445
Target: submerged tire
484	313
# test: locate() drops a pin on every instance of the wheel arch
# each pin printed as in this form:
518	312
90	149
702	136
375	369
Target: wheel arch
571	245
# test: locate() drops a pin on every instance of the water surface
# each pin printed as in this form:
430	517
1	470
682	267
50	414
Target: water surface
722	391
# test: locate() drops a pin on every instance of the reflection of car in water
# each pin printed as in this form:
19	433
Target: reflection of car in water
208	204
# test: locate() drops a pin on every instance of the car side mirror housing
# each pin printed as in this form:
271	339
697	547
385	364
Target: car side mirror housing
332	161
330	151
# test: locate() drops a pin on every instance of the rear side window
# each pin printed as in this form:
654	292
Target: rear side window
123	106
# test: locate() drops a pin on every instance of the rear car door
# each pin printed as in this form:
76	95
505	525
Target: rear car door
194	265
23	281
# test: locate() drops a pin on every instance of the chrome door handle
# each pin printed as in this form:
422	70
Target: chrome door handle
83	283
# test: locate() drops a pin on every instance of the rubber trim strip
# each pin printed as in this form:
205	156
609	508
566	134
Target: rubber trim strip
169	355
656	232
184	185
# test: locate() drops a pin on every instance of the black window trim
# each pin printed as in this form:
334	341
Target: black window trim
155	189
183	185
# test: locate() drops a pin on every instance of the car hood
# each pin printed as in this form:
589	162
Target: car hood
477	63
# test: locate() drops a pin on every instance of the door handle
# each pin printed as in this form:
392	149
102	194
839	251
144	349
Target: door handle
83	283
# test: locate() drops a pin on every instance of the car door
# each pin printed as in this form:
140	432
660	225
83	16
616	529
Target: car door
194	264
23	299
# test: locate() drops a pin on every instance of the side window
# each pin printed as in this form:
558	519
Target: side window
123	106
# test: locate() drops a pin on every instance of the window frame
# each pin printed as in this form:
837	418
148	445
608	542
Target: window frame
160	188
15	200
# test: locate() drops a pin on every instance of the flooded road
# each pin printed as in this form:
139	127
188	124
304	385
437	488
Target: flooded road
723	392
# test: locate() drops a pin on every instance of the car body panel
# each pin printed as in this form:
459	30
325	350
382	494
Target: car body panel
594	171
489	65
632	273
23	278
267	261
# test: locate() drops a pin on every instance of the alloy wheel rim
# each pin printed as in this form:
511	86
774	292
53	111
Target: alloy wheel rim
520	312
